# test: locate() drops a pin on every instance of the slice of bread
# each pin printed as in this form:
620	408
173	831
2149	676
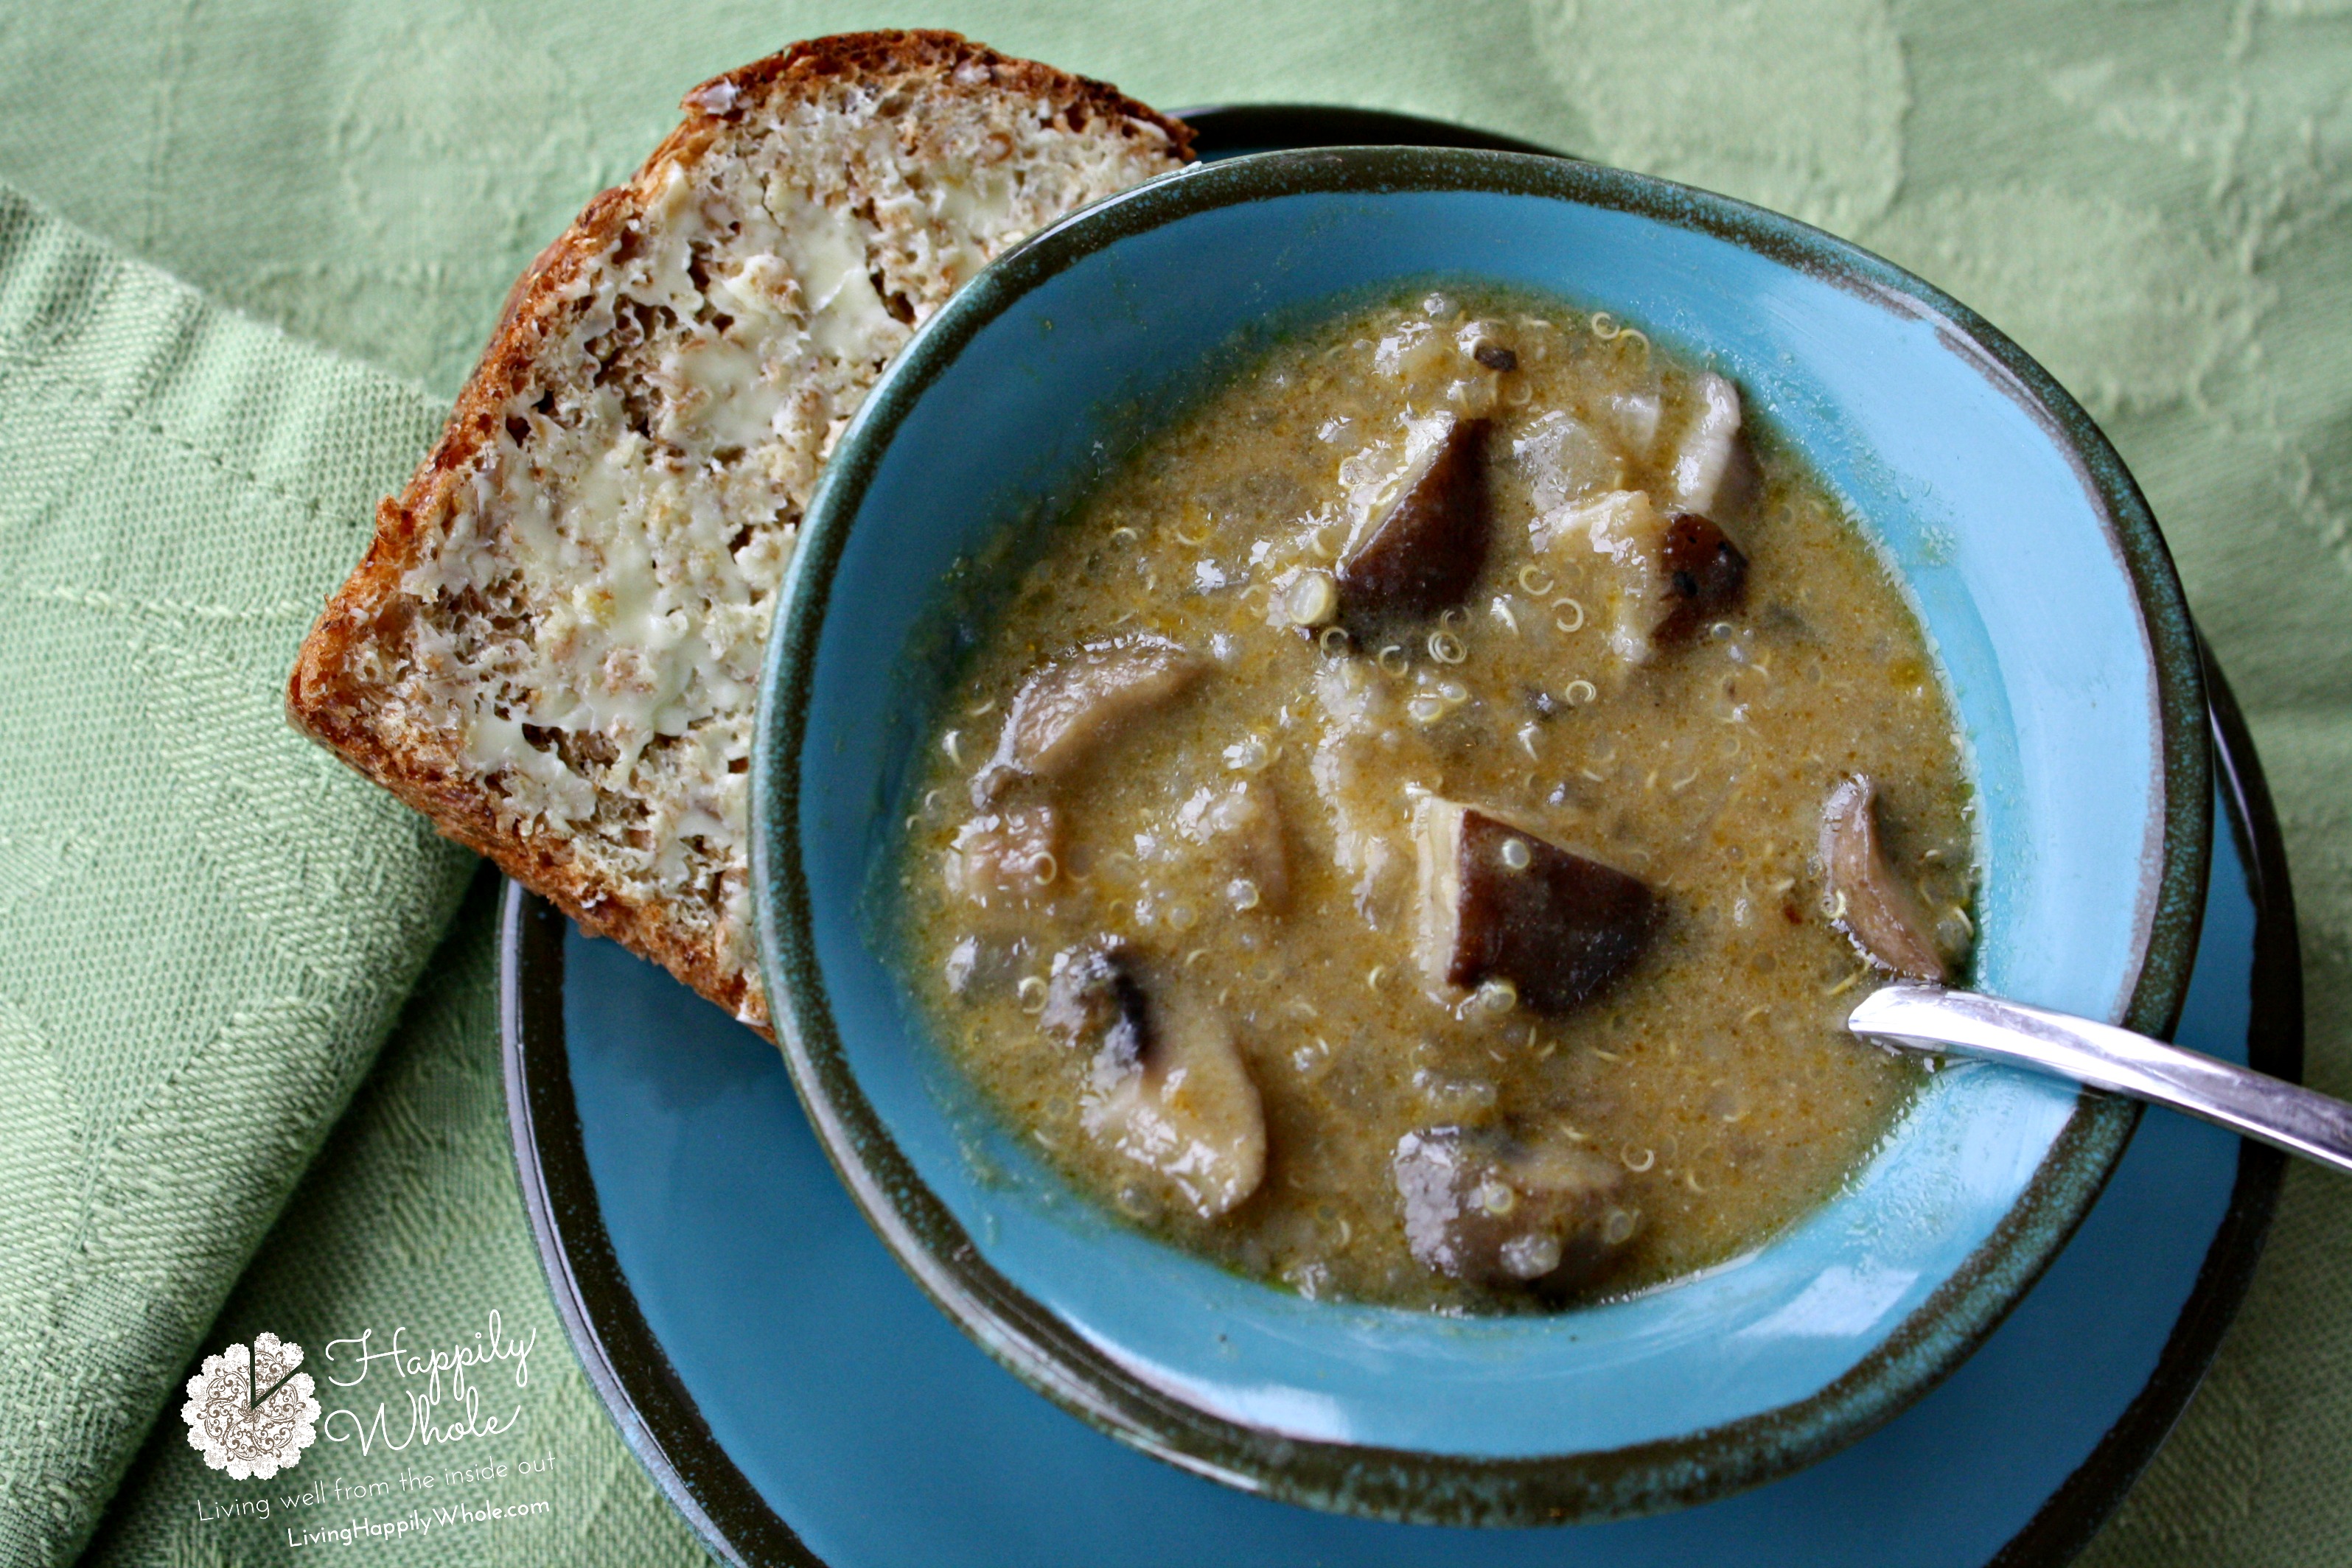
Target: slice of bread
552	645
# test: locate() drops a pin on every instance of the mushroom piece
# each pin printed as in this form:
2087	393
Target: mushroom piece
1422	552
1877	910
1165	1086
1706	575
1634	417
1242	828
1364	748
1493	1208
1005	856
1713	470
1067	708
1093	1002
1564	460
1672	571
1499	903
1625	526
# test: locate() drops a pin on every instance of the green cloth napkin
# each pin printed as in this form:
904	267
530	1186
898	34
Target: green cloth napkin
410	1218
2154	198
209	925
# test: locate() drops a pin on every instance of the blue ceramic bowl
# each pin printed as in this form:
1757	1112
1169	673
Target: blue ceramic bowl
2045	590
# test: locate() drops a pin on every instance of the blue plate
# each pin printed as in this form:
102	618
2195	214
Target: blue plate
801	1402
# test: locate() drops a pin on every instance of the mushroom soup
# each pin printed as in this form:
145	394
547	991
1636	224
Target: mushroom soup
1414	831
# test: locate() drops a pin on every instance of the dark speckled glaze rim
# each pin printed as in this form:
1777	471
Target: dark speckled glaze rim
1032	1342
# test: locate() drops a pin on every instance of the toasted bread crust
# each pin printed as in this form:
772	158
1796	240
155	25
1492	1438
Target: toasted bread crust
328	701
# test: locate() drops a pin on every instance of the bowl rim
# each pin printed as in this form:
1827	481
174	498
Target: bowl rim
1029	1338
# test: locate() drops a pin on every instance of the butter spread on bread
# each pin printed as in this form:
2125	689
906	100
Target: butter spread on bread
554	644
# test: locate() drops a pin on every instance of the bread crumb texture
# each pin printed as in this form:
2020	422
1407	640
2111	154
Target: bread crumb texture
554	643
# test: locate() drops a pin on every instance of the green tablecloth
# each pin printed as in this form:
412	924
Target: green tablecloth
207	929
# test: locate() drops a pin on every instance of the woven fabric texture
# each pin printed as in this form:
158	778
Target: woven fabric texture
2154	198
208	924
410	1214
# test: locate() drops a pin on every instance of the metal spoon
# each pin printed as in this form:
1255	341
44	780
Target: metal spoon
1933	1018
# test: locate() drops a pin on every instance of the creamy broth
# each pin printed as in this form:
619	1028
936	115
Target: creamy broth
1457	600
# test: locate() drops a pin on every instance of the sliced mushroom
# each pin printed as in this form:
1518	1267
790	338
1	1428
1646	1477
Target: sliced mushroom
1005	856
1706	575
1499	903
1067	708
1240	829
1365	747
1165	1086
1487	1207
1564	460
1634	417
1627	529
1093	1002
1422	553
1713	471
1669	573
1876	909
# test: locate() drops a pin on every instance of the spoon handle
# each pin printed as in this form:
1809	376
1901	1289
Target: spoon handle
1929	1018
